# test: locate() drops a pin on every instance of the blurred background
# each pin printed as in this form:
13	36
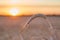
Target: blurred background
29	7
11	26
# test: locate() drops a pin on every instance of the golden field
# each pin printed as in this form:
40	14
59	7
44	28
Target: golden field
10	28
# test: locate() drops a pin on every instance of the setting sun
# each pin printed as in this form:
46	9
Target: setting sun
14	11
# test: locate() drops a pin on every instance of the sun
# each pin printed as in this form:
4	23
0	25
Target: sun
14	11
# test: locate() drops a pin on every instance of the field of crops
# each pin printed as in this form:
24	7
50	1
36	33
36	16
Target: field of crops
38	29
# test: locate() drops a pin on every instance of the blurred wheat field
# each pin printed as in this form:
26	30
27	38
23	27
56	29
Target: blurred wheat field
10	28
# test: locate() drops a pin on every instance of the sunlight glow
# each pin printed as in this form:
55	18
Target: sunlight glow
14	1
14	11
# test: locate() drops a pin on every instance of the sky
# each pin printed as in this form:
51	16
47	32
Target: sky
30	2
31	6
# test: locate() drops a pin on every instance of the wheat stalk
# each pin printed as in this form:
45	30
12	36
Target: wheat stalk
51	29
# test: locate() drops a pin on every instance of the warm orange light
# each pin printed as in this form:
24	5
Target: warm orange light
14	11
